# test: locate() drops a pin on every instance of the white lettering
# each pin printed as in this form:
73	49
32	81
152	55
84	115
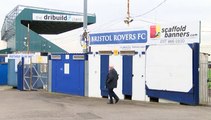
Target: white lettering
119	37
124	37
142	36
57	17
101	38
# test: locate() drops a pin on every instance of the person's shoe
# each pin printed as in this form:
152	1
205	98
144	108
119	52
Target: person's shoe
110	103
117	100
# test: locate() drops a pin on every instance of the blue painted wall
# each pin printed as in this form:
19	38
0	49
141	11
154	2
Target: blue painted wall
3	73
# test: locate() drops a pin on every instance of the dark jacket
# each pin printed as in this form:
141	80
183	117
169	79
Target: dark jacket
112	77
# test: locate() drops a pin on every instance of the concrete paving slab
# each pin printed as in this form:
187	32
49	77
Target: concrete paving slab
40	105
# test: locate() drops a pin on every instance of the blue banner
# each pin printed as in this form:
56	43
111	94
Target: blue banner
126	37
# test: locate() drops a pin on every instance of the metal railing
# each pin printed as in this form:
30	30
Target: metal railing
35	76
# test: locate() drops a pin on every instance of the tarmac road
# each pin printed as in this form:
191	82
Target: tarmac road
40	105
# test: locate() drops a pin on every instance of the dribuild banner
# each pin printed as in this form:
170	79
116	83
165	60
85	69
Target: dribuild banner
57	17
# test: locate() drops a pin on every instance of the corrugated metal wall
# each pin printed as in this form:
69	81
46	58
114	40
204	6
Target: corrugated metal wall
203	86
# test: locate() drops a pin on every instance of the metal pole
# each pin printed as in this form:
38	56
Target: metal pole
128	11
85	15
128	8
85	26
86	78
28	39
28	51
128	19
31	87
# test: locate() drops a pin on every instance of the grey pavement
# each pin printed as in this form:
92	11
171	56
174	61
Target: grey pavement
41	105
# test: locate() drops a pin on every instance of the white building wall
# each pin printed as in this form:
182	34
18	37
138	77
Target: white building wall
69	41
138	82
94	76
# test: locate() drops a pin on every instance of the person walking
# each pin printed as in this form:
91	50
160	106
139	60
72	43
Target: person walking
111	83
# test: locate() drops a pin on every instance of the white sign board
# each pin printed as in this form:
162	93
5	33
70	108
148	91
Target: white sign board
169	67
174	33
57	17
66	68
19	56
179	33
118	40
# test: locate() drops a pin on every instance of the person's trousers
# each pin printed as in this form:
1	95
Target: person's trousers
112	95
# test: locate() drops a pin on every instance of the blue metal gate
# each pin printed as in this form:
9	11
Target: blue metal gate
68	72
3	73
127	75
104	66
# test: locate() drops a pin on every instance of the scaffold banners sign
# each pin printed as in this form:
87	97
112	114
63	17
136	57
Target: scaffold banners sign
126	37
179	33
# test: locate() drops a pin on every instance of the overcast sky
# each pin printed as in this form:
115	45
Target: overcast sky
109	12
